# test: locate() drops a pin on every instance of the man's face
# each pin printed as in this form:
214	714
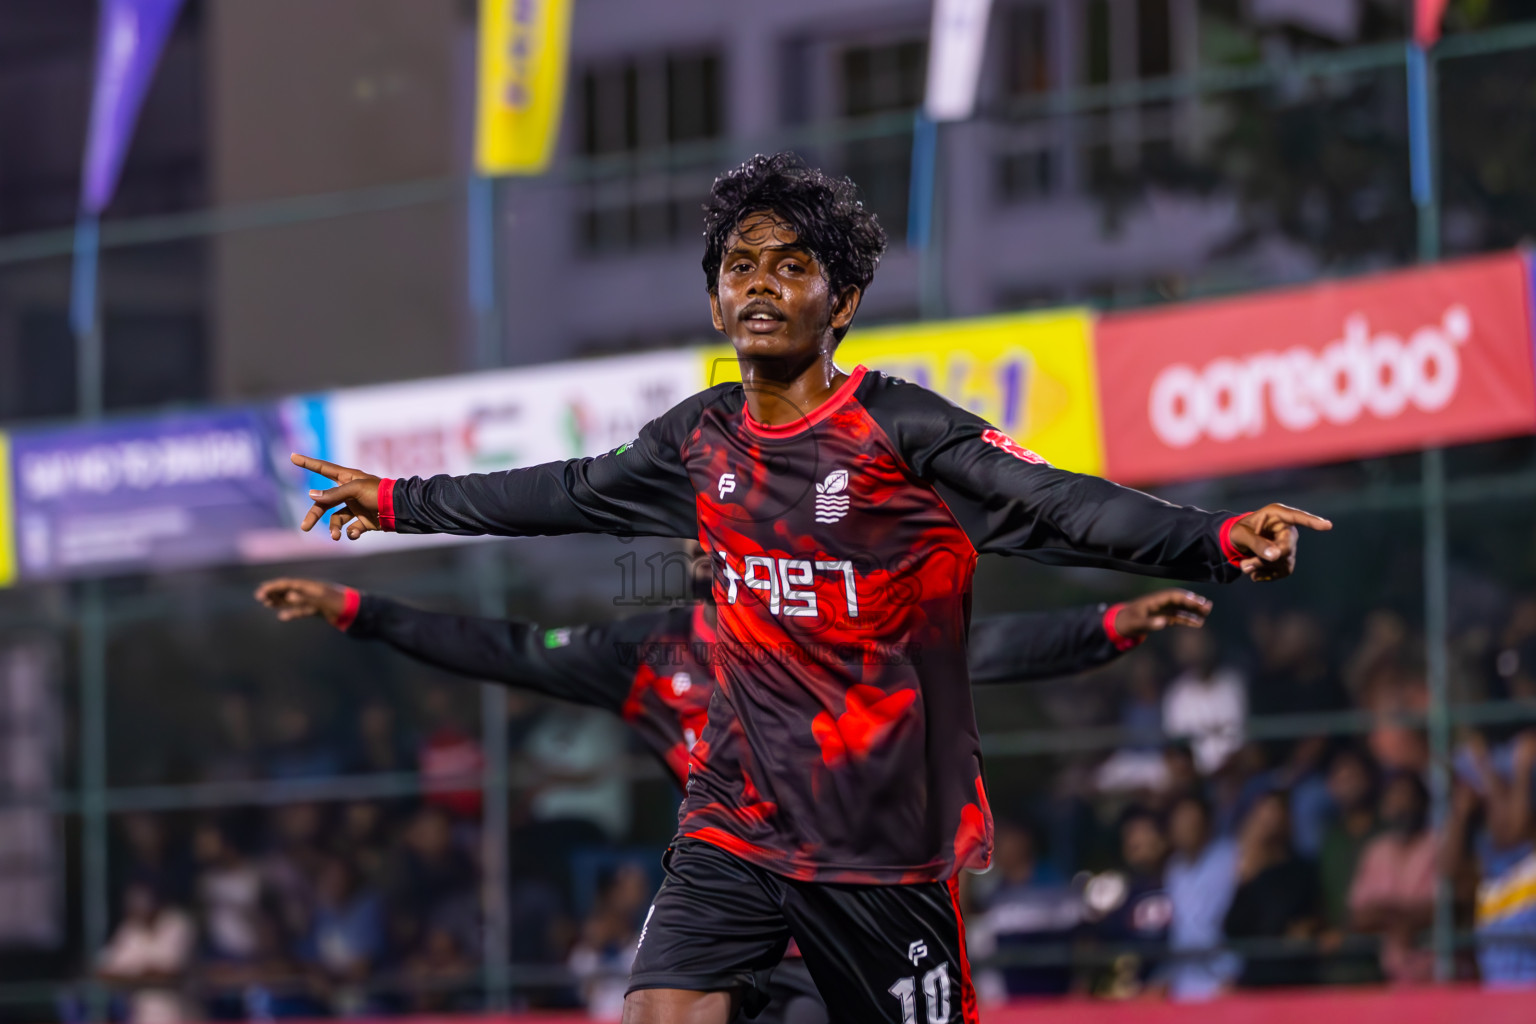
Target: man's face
773	299
1186	828
1142	845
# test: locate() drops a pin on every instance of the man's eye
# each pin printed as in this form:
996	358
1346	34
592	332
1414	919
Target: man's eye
741	268
793	267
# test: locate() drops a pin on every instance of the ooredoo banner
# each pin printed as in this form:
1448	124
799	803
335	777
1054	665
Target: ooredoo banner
1395	362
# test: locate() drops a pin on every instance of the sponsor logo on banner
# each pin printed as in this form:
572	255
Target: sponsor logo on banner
146	494
484	422
1391	363
1031	376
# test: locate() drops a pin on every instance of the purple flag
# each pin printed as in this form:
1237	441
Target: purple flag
132	34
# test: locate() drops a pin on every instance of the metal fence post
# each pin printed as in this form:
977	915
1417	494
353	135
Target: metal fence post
93	780
1423	146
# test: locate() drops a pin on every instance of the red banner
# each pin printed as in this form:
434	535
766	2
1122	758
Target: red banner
1326	373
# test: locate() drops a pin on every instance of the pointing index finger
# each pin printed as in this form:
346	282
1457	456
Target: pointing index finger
325	469
1296	517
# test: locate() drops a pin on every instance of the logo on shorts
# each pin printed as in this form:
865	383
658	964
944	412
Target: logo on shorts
832	497
645	927
917	951
727	485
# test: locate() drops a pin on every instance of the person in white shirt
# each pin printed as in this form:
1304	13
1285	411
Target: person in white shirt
149	954
1206	703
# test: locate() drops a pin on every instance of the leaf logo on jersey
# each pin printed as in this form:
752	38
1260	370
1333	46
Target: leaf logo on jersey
998	439
554	638
832	497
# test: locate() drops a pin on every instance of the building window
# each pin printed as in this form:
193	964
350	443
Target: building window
883	79
642	105
1029	67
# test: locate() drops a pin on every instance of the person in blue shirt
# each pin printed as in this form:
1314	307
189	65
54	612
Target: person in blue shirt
1201	878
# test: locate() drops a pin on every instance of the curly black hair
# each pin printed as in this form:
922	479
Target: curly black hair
825	212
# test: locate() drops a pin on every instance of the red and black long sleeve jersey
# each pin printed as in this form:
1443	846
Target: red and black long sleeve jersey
841	744
655	670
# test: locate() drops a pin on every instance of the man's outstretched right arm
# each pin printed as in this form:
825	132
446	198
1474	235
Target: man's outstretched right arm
639	488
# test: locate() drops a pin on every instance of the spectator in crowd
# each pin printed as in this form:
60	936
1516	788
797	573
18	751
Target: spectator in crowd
360	838
236	757
1207	702
150	858
1135	908
579	796
431	884
238	934
438	973
1029	914
149	955
450	753
602	956
1515	662
1352	792
345	937
1201	878
291	866
297	750
1295	675
1506	899
378	746
1393	893
1139	766
1276	898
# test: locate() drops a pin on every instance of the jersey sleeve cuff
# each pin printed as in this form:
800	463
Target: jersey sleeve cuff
1122	643
1234	556
351	601
387	504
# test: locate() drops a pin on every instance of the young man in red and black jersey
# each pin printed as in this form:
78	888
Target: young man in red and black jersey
837	788
654	671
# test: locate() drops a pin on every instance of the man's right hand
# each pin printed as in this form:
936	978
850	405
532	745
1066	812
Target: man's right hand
300	599
359	493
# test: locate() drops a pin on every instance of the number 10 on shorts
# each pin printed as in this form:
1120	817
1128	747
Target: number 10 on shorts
935	996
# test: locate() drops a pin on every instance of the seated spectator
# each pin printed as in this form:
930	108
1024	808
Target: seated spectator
1352	792
1276	898
430	883
1207	702
149	955
438	974
237	932
297	750
1393	894
1201	877
1506	900
602	956
1135	909
377	745
292	863
345	938
1028	914
450	753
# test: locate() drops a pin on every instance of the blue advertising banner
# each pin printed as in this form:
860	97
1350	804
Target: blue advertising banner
149	494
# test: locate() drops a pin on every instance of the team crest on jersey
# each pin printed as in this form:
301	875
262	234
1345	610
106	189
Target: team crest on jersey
682	682
832	497
998	439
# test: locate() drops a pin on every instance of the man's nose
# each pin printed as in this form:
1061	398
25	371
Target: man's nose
763	283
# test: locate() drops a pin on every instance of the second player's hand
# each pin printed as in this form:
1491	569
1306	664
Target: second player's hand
300	599
358	493
1267	540
1157	611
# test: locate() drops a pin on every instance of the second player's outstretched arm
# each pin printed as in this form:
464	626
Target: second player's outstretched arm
1041	645
578	664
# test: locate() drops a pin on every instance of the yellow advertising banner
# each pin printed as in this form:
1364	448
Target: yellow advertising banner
1031	375
523	46
7	517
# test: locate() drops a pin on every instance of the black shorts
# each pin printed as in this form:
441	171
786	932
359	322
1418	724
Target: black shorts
877	952
793	997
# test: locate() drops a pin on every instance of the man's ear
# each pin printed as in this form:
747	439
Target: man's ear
714	312
847	305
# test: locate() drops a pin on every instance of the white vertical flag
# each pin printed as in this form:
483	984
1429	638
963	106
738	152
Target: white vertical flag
955	49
